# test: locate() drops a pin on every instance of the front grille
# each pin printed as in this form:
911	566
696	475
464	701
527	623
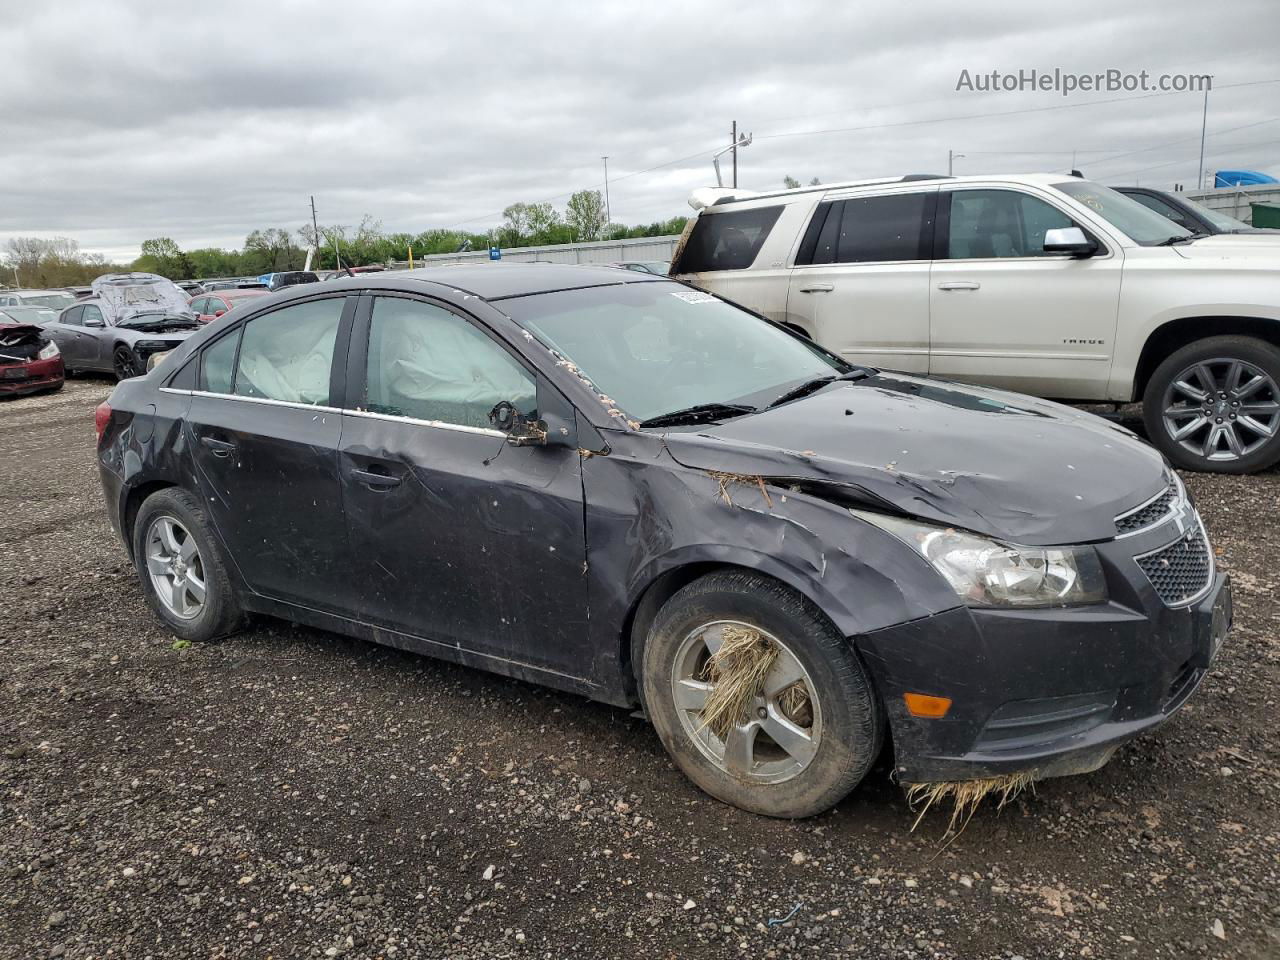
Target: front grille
1150	513
1181	571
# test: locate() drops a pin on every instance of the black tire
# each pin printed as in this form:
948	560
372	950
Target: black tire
852	728
221	613
1258	353
124	364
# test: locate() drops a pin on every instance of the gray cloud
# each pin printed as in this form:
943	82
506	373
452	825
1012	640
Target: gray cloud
124	121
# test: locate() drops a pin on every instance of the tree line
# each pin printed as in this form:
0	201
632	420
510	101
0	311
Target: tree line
61	263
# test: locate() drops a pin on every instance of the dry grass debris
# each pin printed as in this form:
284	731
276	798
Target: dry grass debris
736	671
967	795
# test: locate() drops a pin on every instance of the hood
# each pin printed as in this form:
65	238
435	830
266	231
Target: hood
1260	249
996	463
125	294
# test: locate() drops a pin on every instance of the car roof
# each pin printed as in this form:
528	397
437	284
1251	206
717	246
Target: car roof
495	281
715	199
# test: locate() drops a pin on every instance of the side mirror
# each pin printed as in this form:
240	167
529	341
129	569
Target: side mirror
1069	240
95	322
520	431
218	313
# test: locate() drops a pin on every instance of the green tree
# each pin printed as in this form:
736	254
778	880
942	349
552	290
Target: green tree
585	215
790	182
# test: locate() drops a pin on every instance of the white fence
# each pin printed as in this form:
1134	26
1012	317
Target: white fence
1236	201
603	251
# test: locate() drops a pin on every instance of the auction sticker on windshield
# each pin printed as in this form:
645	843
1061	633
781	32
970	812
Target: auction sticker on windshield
693	296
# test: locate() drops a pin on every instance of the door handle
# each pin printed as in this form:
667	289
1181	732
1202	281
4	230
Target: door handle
219	448
375	480
818	288
960	285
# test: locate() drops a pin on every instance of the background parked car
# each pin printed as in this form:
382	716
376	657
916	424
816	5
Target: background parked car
54	299
289	278
29	359
213	305
1190	215
191	288
659	268
1015	282
129	317
245	283
38	316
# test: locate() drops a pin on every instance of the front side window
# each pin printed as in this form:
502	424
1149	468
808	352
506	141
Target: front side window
430	364
90	314
726	241
1144	227
988	224
288	354
655	348
217	363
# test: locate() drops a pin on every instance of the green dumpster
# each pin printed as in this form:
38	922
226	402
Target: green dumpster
1266	214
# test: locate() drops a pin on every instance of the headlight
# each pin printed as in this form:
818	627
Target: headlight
48	351
154	360
988	573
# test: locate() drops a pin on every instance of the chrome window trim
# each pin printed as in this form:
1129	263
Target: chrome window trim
441	424
1208	547
367	414
1178	506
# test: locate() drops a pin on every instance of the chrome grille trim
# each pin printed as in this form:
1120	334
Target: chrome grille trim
1153	512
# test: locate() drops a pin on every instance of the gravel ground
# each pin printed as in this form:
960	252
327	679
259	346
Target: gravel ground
291	793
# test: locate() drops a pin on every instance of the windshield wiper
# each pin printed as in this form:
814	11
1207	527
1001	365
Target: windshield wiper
809	386
1170	241
701	413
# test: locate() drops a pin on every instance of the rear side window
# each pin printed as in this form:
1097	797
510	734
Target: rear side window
869	230
727	241
217	362
288	354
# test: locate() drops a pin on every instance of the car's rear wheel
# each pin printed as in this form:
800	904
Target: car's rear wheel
809	729
181	568
125	364
1214	405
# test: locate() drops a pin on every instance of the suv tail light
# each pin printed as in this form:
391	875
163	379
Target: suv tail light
101	417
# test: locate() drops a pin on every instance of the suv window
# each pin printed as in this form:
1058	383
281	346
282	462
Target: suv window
869	230
1000	223
288	354
430	364
727	241
1164	209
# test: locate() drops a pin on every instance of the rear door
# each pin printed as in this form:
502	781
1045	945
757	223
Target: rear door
66	332
458	537
860	285
1005	313
264	434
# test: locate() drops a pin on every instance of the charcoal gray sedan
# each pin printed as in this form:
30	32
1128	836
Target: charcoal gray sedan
618	485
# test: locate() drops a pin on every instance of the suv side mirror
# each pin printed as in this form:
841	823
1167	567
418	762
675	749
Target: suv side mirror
1069	240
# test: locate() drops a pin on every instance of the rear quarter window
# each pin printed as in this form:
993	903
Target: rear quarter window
727	241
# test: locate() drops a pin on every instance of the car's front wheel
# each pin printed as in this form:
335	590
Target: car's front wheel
1214	405
181	568
125	364
805	725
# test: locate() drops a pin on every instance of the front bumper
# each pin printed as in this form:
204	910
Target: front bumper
1049	691
31	377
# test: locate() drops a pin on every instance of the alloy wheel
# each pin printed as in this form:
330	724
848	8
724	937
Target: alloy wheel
782	731
1222	409
175	567
125	365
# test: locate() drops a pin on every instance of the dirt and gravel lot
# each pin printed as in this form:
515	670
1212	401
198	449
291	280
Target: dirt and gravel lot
290	793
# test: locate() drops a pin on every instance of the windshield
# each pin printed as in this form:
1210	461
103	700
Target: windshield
55	301
657	347
1140	224
37	315
1218	219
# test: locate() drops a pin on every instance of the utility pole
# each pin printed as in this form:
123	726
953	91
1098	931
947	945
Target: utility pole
733	138
608	216
1204	119
315	230
952	157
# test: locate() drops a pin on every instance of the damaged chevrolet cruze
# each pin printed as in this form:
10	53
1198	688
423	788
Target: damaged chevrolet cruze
617	485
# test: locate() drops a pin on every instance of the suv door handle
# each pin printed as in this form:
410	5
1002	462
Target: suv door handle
818	288
960	285
376	480
220	448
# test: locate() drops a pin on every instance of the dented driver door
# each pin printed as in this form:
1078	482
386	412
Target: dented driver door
458	537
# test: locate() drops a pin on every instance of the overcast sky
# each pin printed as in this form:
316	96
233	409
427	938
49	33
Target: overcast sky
124	121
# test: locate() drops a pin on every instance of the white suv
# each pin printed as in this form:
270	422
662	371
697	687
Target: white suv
1044	284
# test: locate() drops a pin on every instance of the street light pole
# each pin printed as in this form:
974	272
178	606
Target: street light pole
1204	119
608	216
733	138
952	157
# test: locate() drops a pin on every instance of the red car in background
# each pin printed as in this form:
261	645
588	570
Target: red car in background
210	306
29	360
